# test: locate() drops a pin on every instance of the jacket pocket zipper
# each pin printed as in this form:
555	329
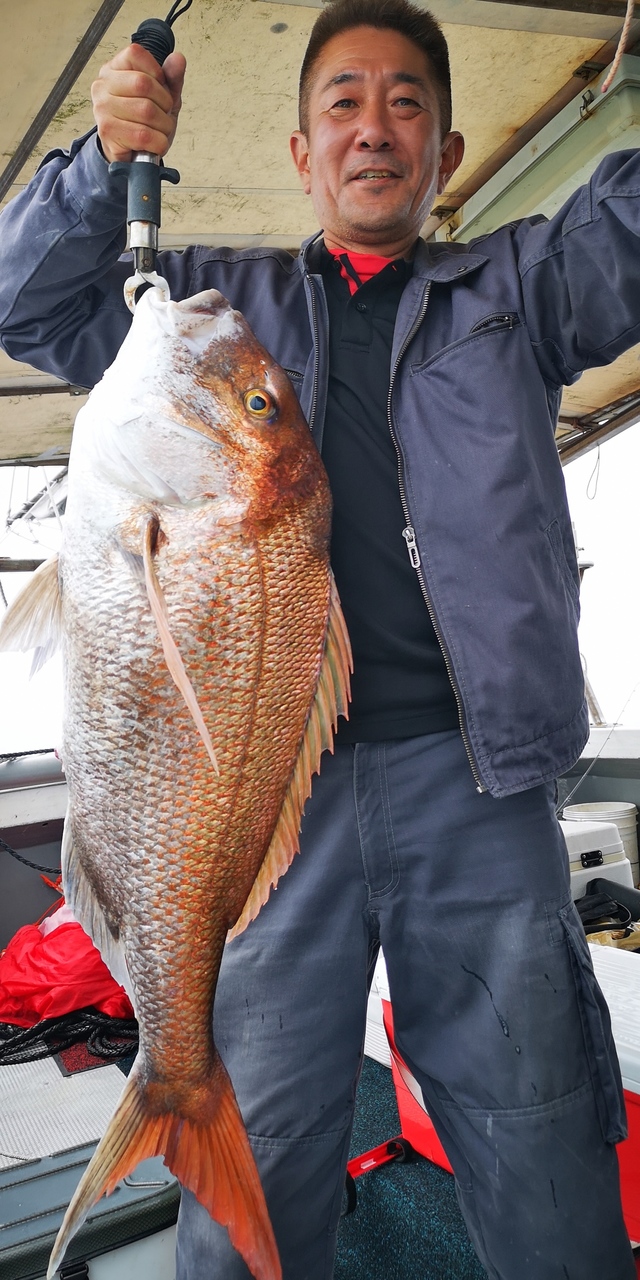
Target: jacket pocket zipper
501	320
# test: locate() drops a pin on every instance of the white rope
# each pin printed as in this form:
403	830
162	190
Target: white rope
622	44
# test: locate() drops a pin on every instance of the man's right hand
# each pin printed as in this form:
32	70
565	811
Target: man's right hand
136	103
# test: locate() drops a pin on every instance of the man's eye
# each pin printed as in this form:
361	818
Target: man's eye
344	102
407	102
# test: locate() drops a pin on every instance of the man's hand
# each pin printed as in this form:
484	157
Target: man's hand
136	102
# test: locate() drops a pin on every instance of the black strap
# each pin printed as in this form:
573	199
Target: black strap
599	911
350	269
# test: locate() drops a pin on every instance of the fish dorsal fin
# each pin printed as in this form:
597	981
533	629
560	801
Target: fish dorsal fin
331	700
33	619
173	659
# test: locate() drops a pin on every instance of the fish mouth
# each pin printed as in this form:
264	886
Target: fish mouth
196	321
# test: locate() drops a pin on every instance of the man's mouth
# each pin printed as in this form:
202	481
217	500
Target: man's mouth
373	175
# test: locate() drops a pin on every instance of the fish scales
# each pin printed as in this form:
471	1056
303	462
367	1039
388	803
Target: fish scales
168	801
195	582
160	806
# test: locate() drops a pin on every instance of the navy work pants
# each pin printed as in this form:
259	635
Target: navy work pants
496	1010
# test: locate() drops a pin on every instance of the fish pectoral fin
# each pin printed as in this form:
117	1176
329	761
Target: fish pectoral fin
331	700
80	896
33	619
211	1157
172	656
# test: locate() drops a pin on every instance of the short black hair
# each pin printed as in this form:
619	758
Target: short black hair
394	15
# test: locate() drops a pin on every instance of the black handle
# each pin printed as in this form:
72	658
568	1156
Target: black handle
143	176
155	35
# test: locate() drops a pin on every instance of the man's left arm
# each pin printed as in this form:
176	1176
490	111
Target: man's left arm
580	273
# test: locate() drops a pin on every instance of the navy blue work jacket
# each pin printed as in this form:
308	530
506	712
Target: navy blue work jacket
486	336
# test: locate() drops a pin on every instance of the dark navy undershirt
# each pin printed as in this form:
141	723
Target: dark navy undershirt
400	684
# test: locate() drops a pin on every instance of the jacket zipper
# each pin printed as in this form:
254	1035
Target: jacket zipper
412	548
316	341
293	373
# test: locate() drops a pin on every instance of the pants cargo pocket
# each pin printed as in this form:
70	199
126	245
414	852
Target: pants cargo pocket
596	1029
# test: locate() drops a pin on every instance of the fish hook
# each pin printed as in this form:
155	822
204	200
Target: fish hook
132	285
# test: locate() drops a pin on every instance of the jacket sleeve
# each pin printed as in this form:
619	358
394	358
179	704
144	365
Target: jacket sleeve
580	273
61	272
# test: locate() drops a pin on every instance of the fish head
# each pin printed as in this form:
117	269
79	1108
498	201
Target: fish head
194	409
240	398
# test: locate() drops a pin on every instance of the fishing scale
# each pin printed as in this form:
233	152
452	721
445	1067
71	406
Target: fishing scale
145	172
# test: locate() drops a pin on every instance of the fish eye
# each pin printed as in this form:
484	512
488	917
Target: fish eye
260	403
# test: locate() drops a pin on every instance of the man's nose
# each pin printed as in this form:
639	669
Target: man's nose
374	132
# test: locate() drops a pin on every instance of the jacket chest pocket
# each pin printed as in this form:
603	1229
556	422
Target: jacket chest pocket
499	322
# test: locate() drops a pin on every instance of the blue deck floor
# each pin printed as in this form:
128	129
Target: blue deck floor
407	1225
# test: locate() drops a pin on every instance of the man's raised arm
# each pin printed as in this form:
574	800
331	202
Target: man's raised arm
61	301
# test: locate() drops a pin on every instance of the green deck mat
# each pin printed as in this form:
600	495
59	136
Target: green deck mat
407	1225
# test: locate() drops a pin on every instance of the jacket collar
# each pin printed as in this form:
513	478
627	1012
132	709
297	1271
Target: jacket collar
442	263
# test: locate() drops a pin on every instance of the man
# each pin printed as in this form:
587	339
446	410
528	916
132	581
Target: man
431	377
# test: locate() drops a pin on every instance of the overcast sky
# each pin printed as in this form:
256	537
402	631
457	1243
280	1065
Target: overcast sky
607	527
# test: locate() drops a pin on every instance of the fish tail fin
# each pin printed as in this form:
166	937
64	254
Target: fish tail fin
212	1159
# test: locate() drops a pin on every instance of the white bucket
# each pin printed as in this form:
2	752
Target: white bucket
622	813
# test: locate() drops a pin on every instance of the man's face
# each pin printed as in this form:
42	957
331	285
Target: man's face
374	159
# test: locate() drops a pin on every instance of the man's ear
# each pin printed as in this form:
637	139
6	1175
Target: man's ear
300	153
450	157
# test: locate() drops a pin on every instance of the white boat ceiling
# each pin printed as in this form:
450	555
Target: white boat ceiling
515	67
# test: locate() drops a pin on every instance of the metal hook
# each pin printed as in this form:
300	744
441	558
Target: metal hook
587	99
133	284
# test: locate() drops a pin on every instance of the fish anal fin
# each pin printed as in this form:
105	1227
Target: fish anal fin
331	700
211	1157
153	537
33	619
79	895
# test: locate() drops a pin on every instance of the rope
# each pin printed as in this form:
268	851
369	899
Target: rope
50	871
108	1038
622	44
176	12
7	756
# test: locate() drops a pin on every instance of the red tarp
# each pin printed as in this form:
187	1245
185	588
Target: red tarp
47	975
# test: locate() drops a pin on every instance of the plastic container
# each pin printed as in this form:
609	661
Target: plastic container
625	816
595	849
376	1045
